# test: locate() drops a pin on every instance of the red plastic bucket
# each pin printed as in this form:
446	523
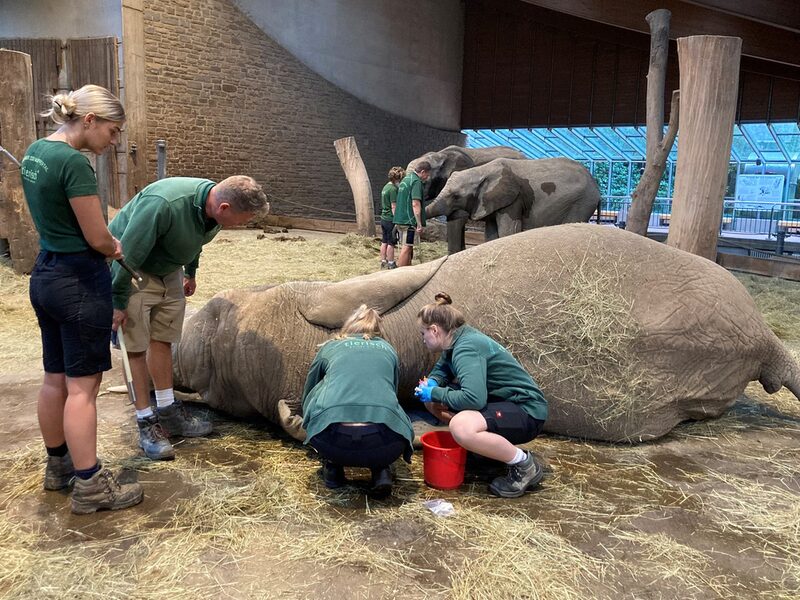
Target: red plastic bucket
443	460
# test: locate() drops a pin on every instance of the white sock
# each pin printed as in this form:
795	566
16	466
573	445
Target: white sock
518	457
164	397
144	413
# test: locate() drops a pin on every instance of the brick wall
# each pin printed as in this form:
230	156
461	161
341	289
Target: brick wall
229	100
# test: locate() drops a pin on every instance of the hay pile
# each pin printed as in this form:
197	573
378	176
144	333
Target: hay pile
709	511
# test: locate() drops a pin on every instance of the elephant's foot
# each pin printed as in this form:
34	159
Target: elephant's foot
292	424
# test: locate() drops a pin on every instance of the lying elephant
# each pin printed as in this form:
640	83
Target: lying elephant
516	195
626	336
443	164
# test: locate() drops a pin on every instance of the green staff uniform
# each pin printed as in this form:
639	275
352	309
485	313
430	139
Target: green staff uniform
486	372
52	173
354	380
388	197
162	229
410	189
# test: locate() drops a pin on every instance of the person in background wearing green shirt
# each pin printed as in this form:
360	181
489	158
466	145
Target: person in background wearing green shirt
388	203
350	410
485	396
409	216
163	229
70	290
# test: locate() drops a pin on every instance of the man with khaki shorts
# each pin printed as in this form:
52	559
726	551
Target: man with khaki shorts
162	230
409	215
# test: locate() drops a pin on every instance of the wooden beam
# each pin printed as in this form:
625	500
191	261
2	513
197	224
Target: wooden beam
134	94
472	238
783	268
17	132
709	67
780	13
759	40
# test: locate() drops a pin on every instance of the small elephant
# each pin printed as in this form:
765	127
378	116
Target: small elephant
626	337
512	195
454	158
443	164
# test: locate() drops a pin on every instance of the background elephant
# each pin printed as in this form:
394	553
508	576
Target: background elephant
516	195
626	336
443	164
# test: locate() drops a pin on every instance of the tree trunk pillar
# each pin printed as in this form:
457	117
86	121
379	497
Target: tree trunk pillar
709	83
357	177
17	132
658	148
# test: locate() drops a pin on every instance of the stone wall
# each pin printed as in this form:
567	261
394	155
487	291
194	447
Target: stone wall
229	100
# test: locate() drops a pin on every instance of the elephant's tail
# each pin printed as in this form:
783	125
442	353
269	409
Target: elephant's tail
780	369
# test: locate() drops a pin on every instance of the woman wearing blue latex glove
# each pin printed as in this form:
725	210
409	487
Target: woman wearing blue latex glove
485	396
350	419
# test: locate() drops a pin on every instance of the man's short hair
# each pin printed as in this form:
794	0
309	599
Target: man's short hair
421	166
243	194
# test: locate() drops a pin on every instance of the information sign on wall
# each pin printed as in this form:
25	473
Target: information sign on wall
759	188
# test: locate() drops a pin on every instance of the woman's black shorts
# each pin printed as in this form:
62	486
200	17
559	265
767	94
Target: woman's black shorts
387	233
71	295
510	421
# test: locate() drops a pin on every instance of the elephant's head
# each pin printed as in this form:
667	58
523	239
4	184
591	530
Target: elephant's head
480	191
247	352
443	164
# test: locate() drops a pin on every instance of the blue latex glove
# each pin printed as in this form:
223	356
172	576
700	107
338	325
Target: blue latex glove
430	382
423	392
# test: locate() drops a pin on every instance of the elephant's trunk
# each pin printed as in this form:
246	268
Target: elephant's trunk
437	208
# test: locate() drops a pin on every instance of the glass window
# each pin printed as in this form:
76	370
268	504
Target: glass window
600	174
593	140
619	179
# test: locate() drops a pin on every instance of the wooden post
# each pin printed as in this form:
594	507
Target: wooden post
709	83
657	148
17	132
134	95
357	177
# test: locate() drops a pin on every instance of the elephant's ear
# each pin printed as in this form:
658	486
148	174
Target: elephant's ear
457	158
498	189
330	305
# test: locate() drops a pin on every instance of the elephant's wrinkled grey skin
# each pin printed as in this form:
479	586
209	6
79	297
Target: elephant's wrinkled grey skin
516	195
693	337
455	158
443	164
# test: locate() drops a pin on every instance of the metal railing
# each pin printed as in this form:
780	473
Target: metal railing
740	218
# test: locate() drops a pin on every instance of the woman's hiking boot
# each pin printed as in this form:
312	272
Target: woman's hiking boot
102	491
521	477
178	421
153	440
59	472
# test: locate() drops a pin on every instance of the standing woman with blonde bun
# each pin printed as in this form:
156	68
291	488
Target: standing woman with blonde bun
70	291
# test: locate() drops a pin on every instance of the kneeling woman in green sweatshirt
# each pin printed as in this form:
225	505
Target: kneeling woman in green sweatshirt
350	410
487	398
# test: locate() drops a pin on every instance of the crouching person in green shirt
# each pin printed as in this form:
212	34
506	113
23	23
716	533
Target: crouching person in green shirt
350	410
163	229
485	396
